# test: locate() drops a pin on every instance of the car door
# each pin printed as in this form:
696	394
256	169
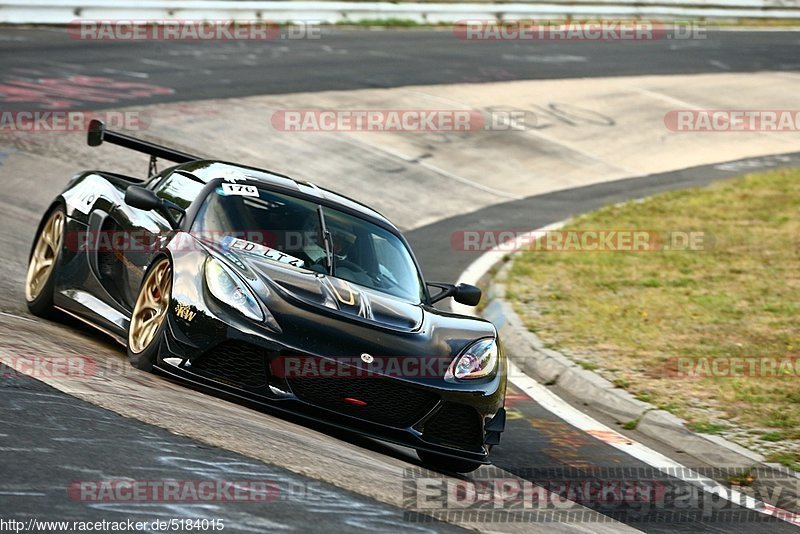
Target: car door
133	236
179	188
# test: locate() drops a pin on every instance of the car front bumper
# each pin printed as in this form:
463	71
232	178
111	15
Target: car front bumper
429	413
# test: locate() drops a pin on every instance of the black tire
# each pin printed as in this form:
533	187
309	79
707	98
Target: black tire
145	357
145	360
439	462
40	301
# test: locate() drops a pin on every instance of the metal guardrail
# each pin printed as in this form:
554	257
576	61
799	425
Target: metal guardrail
65	11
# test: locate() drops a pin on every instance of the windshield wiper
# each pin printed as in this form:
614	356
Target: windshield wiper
327	241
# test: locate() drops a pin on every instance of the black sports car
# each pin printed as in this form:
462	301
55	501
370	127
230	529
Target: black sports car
254	285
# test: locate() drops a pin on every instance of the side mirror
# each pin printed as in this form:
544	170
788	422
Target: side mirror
97	131
141	198
461	293
467	295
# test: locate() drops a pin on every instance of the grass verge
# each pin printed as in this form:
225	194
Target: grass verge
633	316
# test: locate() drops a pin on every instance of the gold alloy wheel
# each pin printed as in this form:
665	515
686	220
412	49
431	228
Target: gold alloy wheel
151	306
44	255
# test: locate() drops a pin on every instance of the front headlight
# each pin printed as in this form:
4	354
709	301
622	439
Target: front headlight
226	287
478	361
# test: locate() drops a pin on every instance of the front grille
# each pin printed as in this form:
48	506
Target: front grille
235	363
455	425
388	402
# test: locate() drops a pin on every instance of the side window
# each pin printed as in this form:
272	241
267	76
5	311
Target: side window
179	189
155	181
393	264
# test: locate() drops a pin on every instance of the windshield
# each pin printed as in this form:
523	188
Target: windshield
364	253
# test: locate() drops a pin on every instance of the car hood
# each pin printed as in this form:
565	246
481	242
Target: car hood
326	294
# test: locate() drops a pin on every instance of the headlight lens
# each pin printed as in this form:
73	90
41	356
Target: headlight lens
478	361
226	287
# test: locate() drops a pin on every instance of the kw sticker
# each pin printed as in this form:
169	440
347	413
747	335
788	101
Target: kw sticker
184	312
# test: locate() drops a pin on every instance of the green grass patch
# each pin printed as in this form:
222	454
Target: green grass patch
621	383
736	296
631	425
789	460
704	427
773	436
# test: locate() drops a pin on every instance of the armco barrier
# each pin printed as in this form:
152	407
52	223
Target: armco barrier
65	11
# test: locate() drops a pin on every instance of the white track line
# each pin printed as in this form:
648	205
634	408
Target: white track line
571	415
18	317
557	406
478	268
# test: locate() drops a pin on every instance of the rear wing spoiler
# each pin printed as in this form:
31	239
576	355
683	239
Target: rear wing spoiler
99	134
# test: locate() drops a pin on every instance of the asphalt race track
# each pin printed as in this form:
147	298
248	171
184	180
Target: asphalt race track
49	439
370	59
95	441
